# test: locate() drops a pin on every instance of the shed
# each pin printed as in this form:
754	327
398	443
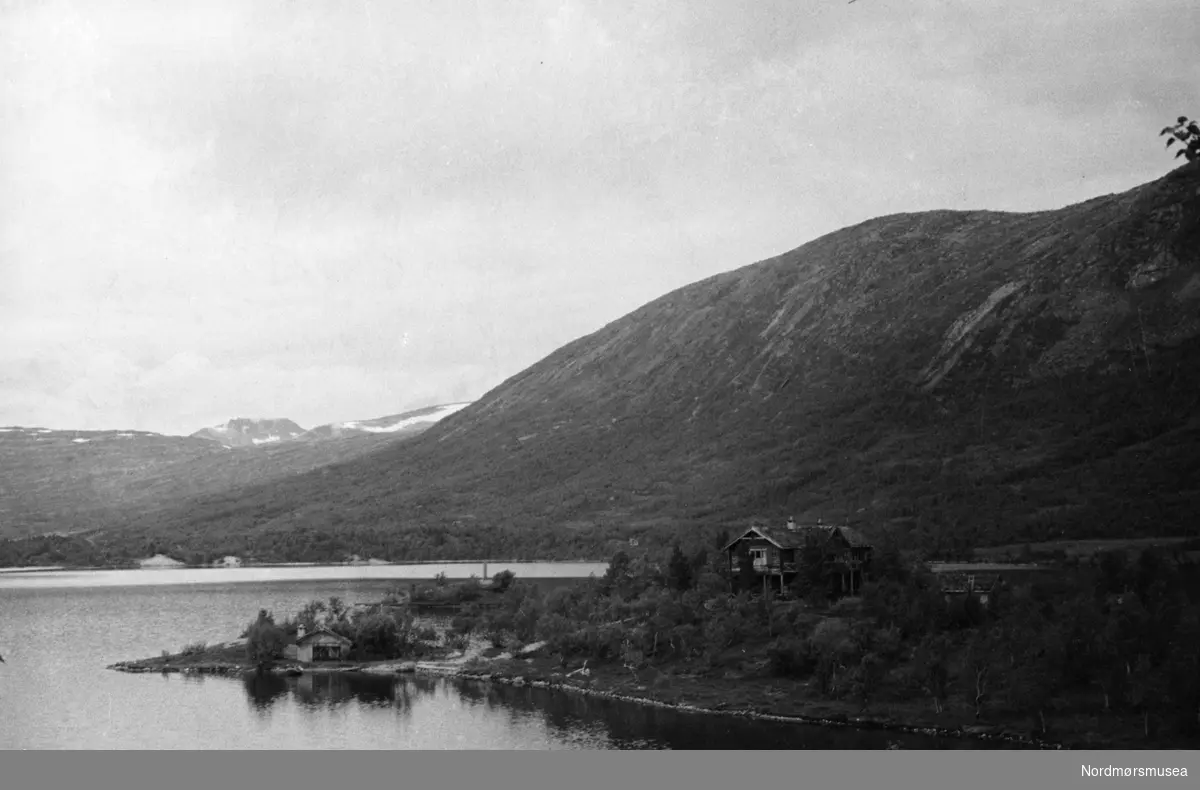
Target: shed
979	585
321	645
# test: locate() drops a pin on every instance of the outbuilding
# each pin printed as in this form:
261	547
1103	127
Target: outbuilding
321	645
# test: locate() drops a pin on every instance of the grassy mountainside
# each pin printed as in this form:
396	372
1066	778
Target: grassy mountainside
73	482
965	378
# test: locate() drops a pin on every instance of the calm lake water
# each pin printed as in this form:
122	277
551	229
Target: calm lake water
59	630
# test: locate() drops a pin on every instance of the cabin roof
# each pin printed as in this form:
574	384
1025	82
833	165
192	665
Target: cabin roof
321	632
795	537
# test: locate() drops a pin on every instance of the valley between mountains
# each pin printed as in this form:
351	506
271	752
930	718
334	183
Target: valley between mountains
953	379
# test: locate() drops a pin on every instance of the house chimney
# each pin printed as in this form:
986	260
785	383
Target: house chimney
791	523
300	631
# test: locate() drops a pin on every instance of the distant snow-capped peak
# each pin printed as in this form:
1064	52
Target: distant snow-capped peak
244	431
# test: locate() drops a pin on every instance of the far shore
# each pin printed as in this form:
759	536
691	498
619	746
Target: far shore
135	566
399	572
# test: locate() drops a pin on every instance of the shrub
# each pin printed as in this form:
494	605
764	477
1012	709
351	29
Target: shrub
379	634
467	620
455	641
502	581
790	657
504	639
194	648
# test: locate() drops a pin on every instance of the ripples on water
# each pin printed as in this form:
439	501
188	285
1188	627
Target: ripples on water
55	692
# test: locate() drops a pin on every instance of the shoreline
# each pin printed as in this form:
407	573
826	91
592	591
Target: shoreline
467	667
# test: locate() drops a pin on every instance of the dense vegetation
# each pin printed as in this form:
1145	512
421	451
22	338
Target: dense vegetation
1114	646
377	633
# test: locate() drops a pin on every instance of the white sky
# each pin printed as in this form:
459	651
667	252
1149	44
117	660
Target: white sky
340	210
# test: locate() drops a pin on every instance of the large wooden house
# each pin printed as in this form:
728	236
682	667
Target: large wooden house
775	555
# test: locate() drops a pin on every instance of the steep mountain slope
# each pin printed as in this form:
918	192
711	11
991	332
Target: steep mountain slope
408	423
245	432
963	377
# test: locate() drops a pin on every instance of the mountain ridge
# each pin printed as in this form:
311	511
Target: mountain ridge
69	482
955	378
405	423
251	431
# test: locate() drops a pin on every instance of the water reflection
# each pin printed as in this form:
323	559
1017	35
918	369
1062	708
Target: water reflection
264	690
629	726
335	690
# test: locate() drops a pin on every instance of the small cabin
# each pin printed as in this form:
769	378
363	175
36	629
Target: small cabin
321	645
981	580
775	554
959	584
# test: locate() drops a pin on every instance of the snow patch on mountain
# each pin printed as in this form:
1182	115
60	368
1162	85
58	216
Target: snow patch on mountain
402	422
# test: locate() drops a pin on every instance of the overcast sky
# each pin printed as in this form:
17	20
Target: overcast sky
340	210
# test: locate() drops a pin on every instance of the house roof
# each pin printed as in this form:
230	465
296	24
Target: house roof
795	537
321	632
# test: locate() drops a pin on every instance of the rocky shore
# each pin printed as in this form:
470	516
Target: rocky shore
584	686
473	667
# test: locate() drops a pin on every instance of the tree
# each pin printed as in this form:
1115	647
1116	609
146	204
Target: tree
389	635
310	616
617	573
1146	689
503	580
679	571
264	640
868	677
931	668
1187	133
980	667
1182	673
1034	650
337	609
831	645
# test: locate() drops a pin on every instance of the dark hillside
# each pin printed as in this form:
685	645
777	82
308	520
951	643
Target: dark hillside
967	378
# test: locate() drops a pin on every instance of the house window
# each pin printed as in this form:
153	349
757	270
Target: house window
759	557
